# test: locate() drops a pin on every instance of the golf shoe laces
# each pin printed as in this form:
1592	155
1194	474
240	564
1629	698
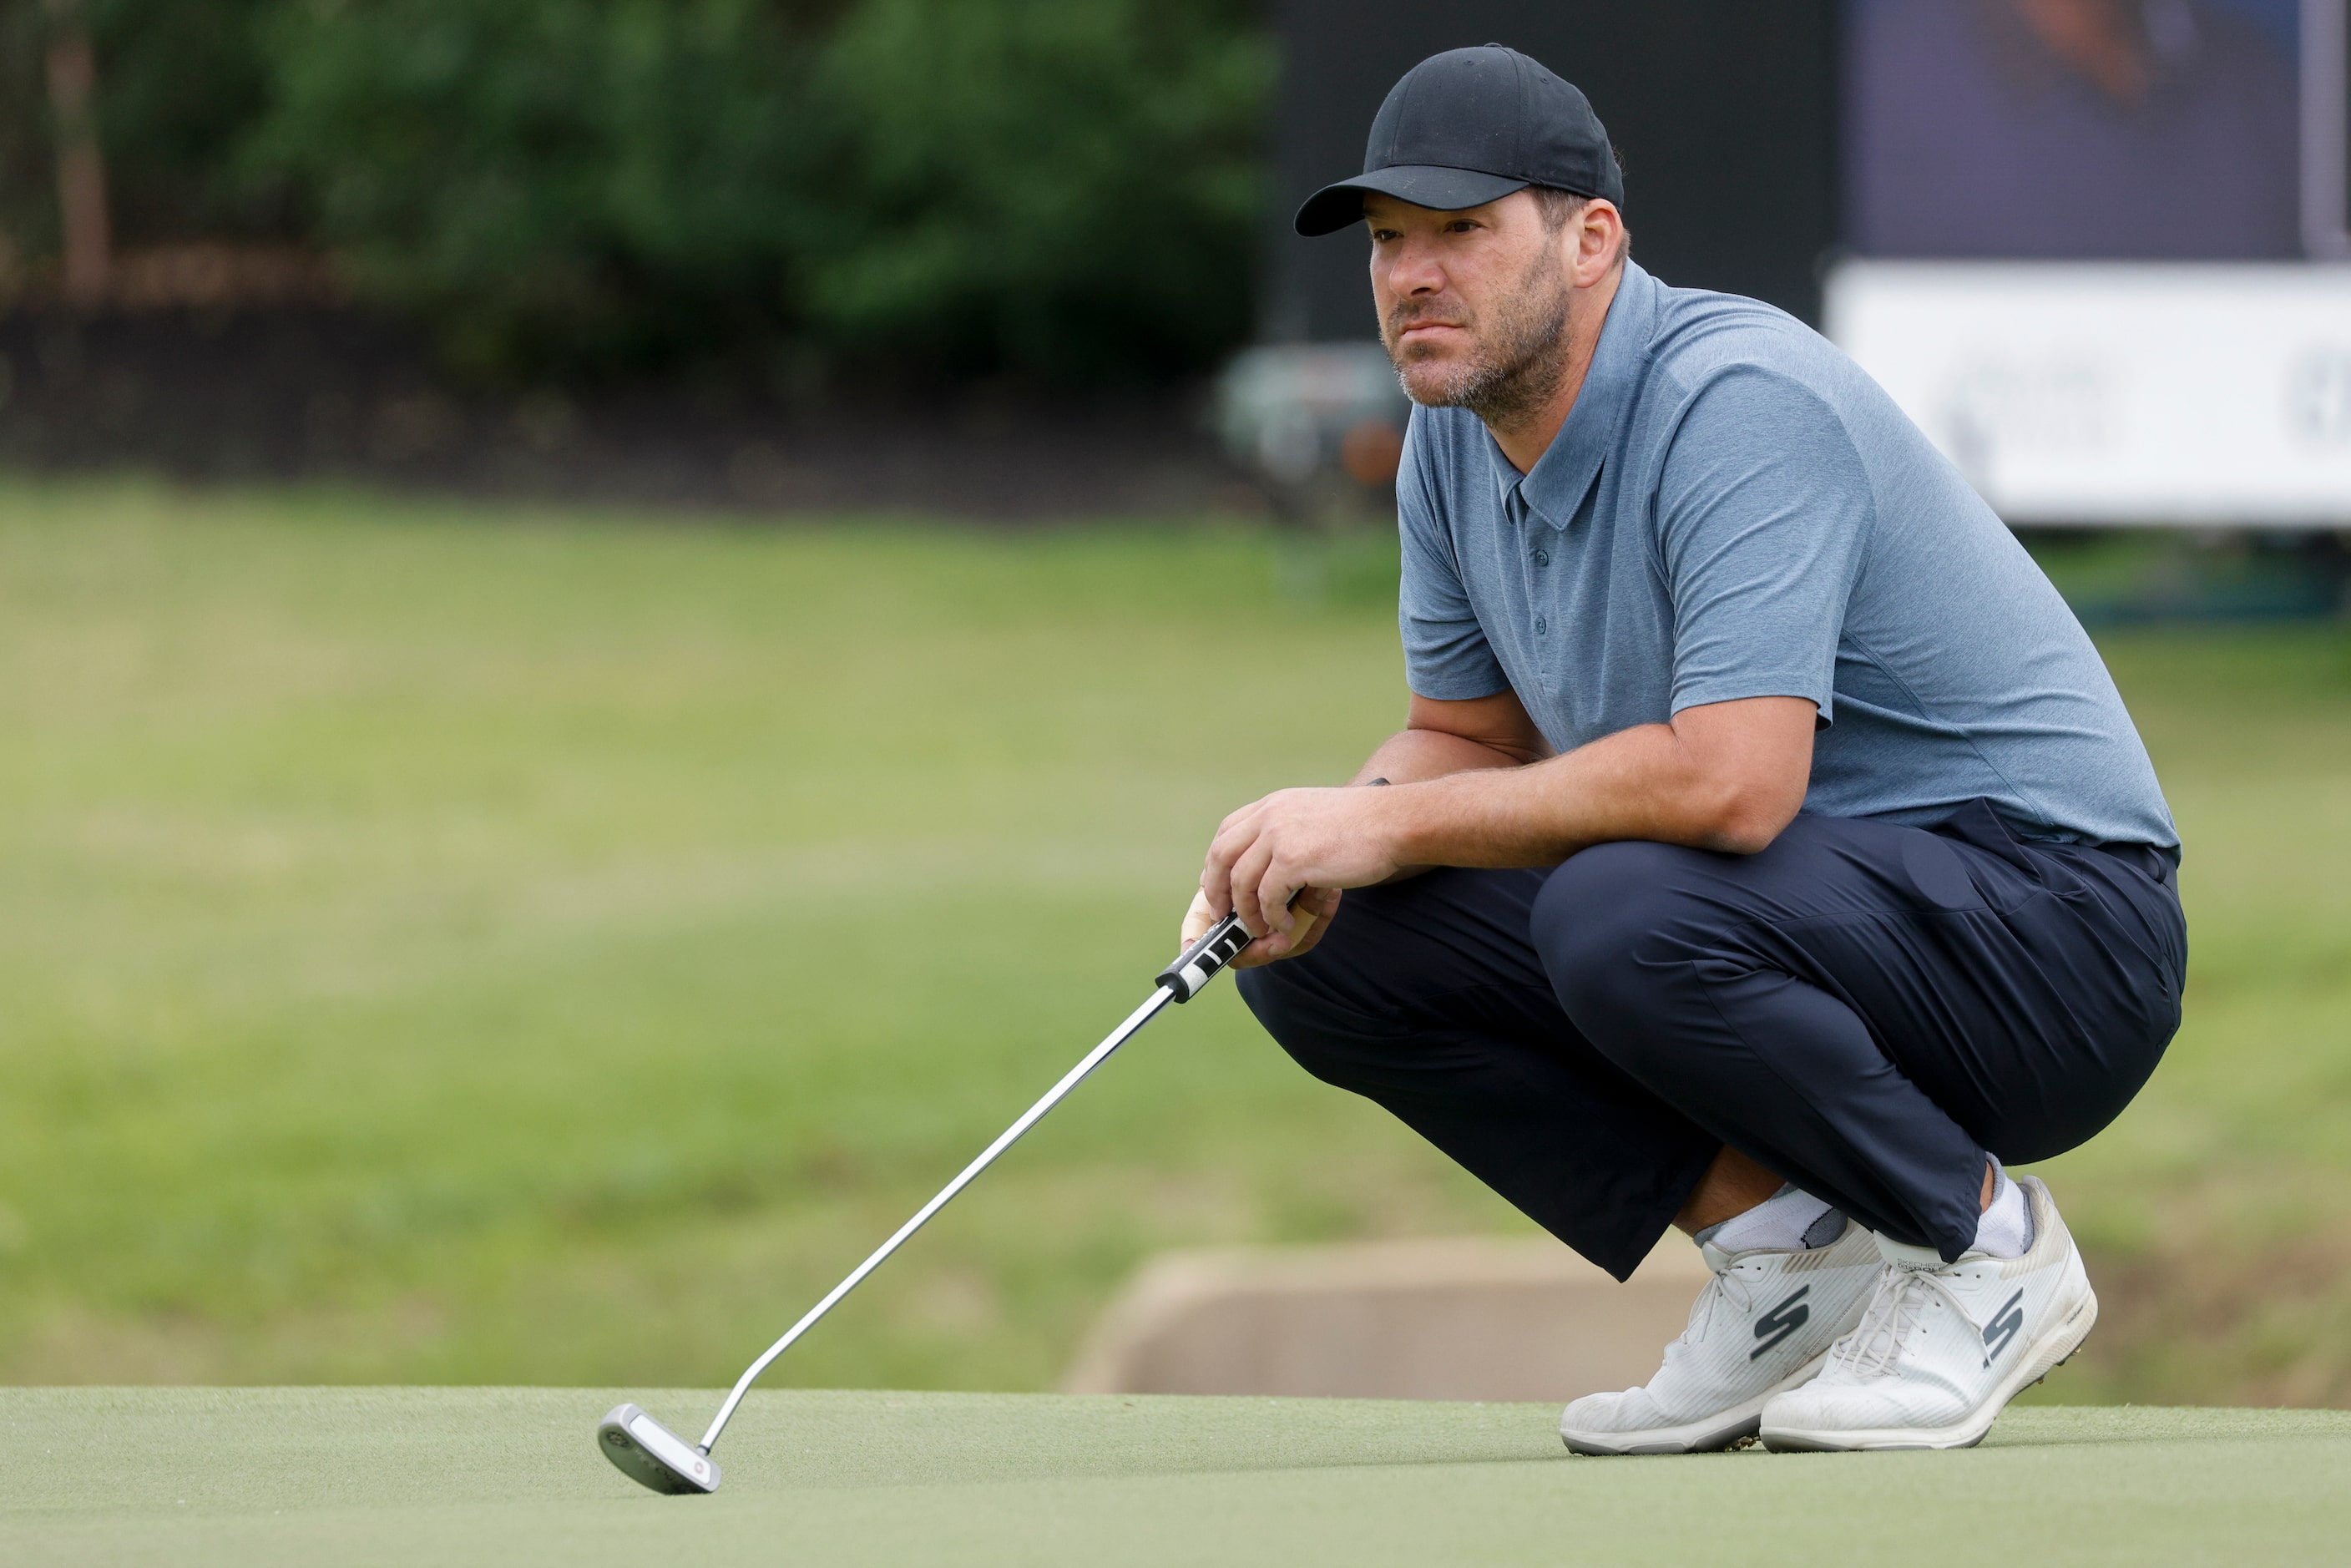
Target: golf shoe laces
1897	1308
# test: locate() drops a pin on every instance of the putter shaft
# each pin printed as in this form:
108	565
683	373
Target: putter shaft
1094	1058
653	1456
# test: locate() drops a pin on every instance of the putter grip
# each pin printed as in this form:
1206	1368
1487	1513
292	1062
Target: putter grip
1197	965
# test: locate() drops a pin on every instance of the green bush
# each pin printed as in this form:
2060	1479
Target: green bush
181	87
557	184
27	209
1057	187
1060	185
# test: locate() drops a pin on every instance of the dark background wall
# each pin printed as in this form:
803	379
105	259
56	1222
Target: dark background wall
1723	112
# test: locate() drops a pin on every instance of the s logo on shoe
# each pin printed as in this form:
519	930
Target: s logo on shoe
1774	1326
2002	1327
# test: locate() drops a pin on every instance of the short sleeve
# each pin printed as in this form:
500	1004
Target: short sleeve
1445	655
1763	512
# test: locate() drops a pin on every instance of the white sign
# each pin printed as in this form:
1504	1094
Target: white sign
2119	392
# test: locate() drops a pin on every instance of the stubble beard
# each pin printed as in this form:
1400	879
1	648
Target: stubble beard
1513	366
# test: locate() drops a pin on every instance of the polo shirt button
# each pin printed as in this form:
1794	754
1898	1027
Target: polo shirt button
1541	626
1542	557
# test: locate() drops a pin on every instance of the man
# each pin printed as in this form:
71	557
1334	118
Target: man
1768	853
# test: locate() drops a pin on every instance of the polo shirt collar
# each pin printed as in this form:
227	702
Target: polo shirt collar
1555	486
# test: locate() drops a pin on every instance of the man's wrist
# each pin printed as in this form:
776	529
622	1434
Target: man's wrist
1398	822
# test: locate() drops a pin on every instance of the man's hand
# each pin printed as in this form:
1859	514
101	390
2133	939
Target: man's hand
1313	909
1301	844
1477	785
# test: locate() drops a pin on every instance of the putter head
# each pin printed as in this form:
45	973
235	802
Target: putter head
651	1454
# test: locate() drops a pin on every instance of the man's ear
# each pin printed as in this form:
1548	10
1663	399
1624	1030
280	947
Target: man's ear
1594	225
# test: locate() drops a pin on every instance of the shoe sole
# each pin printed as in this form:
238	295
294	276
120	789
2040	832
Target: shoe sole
1723	1429
2052	1351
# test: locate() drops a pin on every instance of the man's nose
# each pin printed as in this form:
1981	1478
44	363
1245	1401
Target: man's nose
1414	269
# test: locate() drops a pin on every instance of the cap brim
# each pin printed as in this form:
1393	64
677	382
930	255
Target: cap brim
1334	207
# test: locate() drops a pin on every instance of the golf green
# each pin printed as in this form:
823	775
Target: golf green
258	1476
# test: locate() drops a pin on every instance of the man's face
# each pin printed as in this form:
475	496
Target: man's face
1473	305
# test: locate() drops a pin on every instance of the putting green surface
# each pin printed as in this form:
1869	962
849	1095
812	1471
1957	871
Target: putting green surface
361	1476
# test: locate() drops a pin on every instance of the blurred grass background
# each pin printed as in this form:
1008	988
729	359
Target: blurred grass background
444	945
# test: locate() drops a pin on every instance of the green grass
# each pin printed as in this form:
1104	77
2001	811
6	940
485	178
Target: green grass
368	1475
435	944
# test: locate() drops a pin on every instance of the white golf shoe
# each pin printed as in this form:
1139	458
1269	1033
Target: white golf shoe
1944	1347
1763	1324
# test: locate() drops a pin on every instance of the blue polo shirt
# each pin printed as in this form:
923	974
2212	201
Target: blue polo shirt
1733	509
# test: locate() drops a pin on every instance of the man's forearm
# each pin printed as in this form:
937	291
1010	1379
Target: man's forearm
1648	783
1726	776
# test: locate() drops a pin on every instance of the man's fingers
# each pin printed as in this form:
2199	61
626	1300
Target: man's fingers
1303	939
1311	913
1247	872
1239	816
1241	877
1233	835
1196	921
1216	884
1274	893
1296	940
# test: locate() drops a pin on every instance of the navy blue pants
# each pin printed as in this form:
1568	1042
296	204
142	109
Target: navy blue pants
1864	1008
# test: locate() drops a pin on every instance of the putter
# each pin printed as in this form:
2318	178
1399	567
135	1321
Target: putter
651	1454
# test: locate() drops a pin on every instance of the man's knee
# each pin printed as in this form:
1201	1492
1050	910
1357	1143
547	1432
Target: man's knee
1611	926
1303	1018
1298	1000
1439	950
1279	1008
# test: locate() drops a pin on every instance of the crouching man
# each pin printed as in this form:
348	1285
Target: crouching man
1768	853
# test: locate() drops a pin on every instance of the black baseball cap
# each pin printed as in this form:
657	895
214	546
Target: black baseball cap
1468	126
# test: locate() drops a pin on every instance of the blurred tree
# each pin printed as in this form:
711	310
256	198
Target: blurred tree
1060	187
183	86
28	213
1054	187
81	162
561	184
